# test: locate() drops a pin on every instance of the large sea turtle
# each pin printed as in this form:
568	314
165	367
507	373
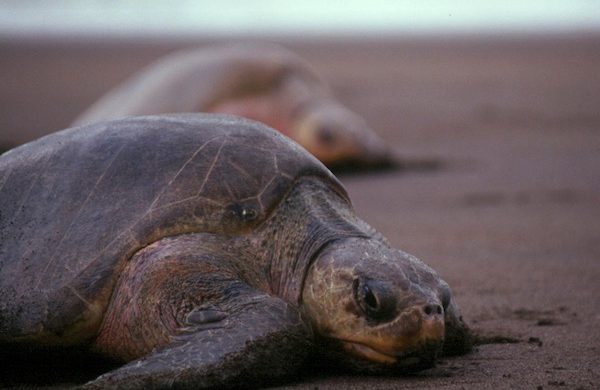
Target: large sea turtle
204	250
263	82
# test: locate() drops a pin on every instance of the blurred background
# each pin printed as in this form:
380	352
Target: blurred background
308	17
504	94
58	56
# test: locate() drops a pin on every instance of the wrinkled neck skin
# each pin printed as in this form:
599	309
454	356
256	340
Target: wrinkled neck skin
318	255
166	280
310	217
378	307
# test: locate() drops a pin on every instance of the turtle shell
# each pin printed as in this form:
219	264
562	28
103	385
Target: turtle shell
75	205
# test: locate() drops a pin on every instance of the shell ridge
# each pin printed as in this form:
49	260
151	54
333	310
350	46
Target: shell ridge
80	297
228	189
167	205
119	236
77	214
267	185
240	170
130	228
5	177
184	165
28	192
211	168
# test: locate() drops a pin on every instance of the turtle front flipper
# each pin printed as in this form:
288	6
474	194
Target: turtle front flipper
184	319
263	344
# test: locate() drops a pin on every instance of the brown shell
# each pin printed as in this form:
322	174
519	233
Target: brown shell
75	205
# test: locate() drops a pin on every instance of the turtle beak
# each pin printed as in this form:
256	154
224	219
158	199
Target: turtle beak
340	147
416	333
375	152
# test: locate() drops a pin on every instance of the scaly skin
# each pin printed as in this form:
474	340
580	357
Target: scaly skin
203	284
204	251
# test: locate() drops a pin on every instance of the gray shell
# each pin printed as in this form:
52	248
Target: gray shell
75	205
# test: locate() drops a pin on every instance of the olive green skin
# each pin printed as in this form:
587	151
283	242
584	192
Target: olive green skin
195	247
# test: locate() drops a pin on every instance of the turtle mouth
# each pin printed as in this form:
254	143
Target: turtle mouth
415	358
358	357
369	353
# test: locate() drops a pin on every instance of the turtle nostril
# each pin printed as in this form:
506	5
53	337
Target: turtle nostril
432	310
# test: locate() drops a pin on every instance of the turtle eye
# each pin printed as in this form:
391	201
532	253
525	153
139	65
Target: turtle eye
326	135
248	214
374	299
371	302
243	212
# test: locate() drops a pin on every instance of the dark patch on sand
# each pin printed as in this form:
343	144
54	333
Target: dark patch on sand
480	339
535	340
549	322
551	317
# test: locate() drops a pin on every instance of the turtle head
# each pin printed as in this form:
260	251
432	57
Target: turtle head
379	309
339	137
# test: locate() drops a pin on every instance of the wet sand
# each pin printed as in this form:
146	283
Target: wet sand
511	219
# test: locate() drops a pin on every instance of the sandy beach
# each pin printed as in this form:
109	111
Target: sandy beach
510	218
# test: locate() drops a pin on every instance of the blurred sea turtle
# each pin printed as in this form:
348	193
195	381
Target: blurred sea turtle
262	82
204	250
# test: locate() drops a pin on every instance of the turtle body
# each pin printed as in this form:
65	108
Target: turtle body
204	251
261	82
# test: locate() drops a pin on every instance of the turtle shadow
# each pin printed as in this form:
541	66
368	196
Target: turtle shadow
4	147
416	165
51	367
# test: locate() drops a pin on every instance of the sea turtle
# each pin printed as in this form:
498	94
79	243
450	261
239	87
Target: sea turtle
204	250
258	81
